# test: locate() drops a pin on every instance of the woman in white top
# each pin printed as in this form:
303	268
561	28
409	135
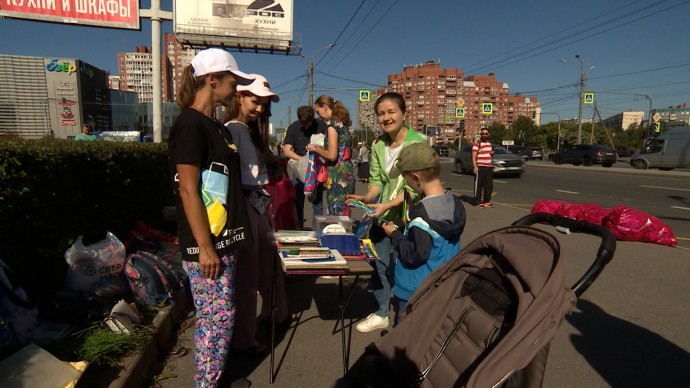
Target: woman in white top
247	122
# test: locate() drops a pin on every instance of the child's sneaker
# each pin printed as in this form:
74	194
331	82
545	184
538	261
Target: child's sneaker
371	323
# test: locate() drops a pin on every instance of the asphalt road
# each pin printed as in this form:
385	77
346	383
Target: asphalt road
663	194
628	330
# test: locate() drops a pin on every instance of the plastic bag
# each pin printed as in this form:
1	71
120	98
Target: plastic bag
635	225
297	169
282	204
99	262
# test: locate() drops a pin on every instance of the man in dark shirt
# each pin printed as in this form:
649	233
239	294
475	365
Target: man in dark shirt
297	138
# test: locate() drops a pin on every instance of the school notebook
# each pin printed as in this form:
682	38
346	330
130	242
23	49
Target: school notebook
346	243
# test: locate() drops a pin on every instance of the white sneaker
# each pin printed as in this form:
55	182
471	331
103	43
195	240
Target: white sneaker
371	323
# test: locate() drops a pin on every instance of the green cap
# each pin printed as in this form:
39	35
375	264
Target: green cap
414	157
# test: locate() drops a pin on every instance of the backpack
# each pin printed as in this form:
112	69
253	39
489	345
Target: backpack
151	278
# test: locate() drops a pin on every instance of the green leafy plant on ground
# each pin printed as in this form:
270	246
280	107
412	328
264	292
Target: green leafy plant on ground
103	347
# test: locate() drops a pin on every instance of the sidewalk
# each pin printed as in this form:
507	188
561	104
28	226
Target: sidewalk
308	354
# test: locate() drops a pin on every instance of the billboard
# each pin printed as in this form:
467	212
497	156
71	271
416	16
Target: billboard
103	13
259	25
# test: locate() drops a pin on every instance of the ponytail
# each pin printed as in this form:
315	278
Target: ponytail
187	87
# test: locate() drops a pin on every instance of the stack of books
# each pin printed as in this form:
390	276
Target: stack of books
301	253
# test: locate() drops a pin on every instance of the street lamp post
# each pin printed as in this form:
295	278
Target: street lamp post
583	77
311	72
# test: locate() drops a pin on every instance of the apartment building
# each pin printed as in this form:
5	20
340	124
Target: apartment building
432	95
177	58
623	120
135	73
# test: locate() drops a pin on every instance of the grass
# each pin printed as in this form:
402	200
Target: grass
103	347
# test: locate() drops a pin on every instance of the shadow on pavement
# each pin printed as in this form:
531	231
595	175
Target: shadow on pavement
624	354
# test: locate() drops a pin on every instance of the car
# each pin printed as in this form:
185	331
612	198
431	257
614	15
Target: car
505	162
536	153
441	150
586	154
527	152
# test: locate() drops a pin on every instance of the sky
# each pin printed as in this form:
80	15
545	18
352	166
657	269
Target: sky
629	49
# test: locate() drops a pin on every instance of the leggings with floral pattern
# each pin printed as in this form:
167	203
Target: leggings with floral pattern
214	302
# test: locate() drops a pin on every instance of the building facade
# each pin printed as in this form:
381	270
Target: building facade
623	120
51	97
678	116
433	96
177	58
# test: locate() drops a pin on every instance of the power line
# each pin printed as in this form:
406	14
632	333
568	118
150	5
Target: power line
343	30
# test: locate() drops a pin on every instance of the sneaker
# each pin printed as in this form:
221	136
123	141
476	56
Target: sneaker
371	323
488	204
483	204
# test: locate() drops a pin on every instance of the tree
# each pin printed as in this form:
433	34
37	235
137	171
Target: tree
497	133
526	132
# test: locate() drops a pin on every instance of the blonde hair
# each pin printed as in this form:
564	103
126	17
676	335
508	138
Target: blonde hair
339	111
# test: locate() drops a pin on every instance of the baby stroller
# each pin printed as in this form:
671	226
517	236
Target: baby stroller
485	318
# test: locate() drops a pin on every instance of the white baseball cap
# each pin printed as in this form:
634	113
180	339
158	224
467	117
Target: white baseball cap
259	87
214	60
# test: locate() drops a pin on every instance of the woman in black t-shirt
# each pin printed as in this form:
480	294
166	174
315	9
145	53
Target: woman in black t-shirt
211	216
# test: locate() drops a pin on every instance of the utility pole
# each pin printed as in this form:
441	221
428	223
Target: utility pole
591	133
582	97
311	73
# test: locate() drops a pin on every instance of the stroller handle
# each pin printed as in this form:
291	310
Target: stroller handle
606	249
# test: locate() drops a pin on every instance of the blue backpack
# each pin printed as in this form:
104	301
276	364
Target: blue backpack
151	278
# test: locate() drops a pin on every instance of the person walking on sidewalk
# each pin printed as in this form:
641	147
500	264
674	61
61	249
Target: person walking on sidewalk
247	122
390	113
482	155
212	220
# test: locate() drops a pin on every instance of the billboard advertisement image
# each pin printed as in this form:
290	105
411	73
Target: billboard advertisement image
102	13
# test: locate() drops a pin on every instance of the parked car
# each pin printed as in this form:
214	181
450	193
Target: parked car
441	150
669	150
504	161
586	154
536	153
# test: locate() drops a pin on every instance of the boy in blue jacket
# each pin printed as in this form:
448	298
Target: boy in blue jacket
432	227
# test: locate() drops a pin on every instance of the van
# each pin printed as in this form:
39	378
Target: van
667	151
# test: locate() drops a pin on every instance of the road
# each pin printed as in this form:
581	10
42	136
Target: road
663	194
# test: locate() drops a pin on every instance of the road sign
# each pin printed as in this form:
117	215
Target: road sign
589	97
460	113
461	102
657	127
487	108
657	116
508	142
364	95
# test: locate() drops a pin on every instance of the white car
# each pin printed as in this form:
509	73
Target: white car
504	161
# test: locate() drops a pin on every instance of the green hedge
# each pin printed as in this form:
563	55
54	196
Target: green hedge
53	190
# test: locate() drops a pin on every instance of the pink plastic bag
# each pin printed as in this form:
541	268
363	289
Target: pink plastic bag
547	206
635	225
281	206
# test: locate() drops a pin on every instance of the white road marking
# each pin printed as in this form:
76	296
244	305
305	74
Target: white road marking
568	192
680	207
497	181
665	188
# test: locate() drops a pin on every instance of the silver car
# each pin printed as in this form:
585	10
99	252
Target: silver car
504	161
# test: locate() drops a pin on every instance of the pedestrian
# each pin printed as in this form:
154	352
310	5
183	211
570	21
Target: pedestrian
363	167
482	154
390	113
211	216
297	137
338	153
85	134
432	227
247	121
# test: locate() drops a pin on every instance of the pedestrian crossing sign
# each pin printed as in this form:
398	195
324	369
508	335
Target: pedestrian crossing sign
364	95
589	97
657	127
487	108
460	113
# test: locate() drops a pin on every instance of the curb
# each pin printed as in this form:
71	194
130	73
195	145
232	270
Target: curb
137	372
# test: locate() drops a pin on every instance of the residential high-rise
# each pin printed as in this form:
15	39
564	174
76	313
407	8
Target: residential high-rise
135	70
177	57
432	95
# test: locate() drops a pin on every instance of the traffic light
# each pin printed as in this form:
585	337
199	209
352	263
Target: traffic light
534	114
462	127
